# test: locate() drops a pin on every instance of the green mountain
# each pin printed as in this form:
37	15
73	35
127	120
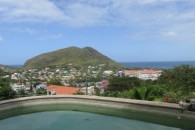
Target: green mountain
6	67
3	66
73	55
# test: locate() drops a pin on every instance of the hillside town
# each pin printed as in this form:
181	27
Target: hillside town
71	80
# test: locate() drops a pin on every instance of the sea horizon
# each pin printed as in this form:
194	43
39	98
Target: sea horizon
147	64
157	64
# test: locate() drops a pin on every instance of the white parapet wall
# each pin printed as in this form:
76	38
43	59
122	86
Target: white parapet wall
116	103
155	112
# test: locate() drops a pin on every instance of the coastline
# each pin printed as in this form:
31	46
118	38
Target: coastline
157	64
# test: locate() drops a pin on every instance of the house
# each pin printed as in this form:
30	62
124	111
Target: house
27	86
17	87
41	86
62	90
88	90
131	73
144	74
102	85
14	76
108	72
151	74
105	84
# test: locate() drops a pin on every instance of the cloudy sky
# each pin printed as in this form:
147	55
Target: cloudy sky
124	30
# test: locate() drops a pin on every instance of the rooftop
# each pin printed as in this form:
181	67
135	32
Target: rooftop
62	90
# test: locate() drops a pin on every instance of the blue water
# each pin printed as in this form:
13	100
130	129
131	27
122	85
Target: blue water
16	66
158	65
69	120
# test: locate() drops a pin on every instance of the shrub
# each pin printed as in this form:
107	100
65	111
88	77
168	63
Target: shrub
142	93
41	92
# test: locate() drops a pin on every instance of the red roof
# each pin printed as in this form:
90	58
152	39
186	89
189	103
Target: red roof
143	71
148	71
105	81
62	90
131	71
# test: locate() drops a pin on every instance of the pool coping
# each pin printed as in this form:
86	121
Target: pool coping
87	100
111	102
126	108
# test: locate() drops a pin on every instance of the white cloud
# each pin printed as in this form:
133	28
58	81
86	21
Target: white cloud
170	33
1	38
146	14
47	37
84	15
24	30
29	11
76	13
147	1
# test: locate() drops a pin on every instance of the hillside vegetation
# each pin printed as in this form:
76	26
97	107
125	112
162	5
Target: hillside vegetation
72	55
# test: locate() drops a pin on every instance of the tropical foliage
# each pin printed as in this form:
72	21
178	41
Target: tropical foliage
41	92
179	78
55	81
142	93
123	83
174	85
6	91
79	56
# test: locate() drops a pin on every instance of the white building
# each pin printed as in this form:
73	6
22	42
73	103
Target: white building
144	74
108	72
90	90
147	74
14	76
17	87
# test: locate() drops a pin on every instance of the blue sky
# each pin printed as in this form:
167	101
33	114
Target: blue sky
124	30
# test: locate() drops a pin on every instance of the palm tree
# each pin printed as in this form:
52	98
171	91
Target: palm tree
143	93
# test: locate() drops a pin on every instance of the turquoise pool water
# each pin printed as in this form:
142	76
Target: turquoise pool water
73	120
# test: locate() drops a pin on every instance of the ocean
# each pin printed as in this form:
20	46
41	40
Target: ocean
16	66
157	65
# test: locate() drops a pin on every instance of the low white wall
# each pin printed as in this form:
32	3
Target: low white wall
155	112
117	103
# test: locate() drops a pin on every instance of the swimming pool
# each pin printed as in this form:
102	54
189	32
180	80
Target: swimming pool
71	120
169	116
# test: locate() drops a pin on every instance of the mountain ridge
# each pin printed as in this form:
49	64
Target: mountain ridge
71	55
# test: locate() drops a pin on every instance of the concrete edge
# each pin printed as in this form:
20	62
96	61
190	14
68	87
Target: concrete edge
121	100
98	98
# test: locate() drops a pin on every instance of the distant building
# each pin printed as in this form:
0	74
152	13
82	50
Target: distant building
149	74
144	74
120	73
14	76
131	73
90	90
28	86
41	86
18	87
102	85
108	72
62	90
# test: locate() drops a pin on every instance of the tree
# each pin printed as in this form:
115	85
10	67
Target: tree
55	81
97	91
1	72
142	93
159	90
6	91
181	77
41	92
123	83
